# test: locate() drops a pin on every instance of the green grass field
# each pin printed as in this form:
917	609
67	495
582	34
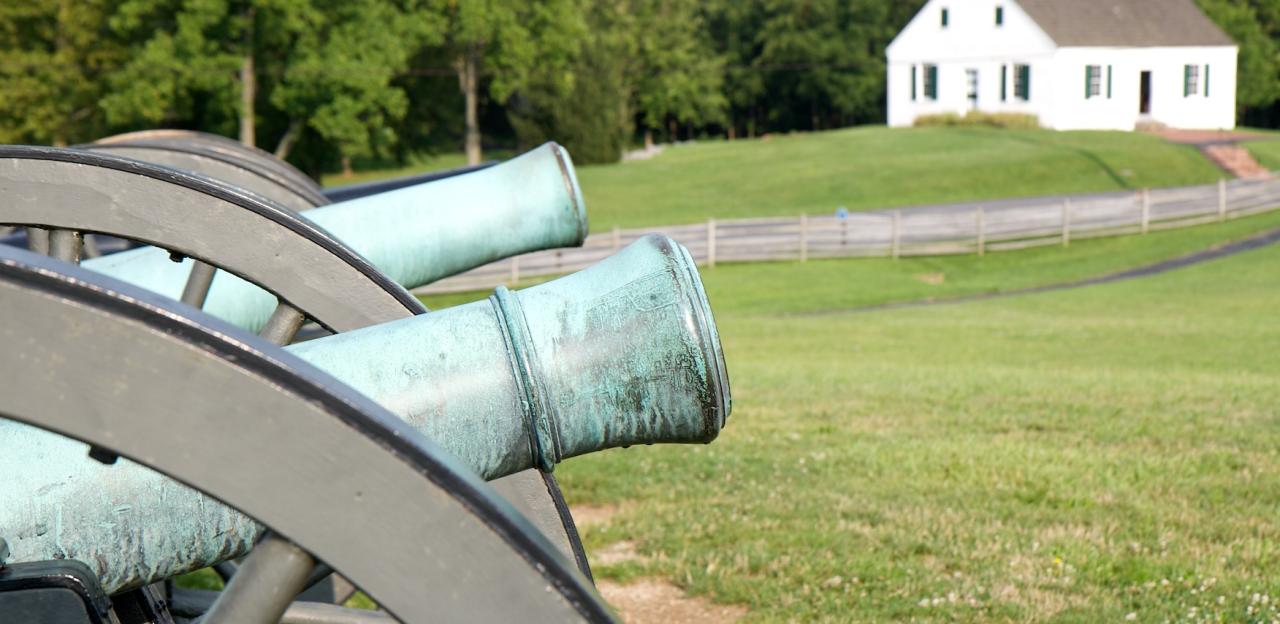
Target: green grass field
1267	153
1079	455
867	168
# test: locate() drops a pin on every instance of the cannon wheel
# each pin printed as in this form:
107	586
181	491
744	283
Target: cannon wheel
230	230
226	167
420	534
204	143
71	192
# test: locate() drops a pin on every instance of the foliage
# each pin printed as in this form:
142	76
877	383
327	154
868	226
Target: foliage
510	42
805	63
644	60
582	105
676	73
53	56
338	79
1016	121
1255	27
321	66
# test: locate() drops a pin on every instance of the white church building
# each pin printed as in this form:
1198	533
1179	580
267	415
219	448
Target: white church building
1075	64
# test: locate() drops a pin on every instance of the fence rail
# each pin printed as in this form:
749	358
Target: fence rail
931	230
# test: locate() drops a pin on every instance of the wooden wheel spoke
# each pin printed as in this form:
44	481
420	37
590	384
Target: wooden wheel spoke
283	325
264	584
66	245
199	280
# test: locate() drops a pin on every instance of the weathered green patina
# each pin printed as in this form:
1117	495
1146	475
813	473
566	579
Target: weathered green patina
623	353
415	235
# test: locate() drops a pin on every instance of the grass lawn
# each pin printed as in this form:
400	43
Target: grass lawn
875	167
865	168
1267	153
1081	455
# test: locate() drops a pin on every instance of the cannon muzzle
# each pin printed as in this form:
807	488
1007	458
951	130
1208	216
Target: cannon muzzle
414	235
623	353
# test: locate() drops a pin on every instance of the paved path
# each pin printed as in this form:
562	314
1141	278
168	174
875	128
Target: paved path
1230	249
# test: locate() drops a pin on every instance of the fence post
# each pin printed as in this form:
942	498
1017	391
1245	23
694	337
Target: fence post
515	270
804	238
1146	210
895	236
617	238
1222	199
1066	223
981	216
711	242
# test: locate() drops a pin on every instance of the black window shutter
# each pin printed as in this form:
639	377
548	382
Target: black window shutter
1004	83
1206	81
1088	81
1108	82
913	82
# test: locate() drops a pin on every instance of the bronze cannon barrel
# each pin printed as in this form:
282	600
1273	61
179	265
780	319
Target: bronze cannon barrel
414	235
623	353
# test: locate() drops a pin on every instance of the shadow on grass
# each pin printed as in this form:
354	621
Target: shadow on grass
1087	154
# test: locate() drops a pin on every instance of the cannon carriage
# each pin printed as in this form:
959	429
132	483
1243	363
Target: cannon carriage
621	354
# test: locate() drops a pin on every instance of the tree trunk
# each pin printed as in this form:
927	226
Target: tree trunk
248	86
346	167
290	137
671	131
466	67
648	138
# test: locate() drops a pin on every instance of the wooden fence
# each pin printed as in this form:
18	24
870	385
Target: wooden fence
932	230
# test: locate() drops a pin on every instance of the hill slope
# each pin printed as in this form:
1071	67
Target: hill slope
875	167
862	169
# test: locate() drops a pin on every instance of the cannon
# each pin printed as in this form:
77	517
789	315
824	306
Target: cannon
622	353
310	273
335	476
549	443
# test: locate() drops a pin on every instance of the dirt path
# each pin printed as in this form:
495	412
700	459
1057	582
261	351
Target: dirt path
647	600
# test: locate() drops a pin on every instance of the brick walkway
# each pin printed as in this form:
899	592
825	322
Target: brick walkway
1222	147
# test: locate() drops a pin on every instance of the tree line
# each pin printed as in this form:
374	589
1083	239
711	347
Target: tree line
326	82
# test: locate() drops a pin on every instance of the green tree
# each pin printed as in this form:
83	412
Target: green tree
319	66
678	76
338	78
1255	27
583	104
825	58
53	58
507	41
731	25
804	63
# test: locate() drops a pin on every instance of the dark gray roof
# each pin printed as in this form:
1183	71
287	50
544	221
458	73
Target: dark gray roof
1125	23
